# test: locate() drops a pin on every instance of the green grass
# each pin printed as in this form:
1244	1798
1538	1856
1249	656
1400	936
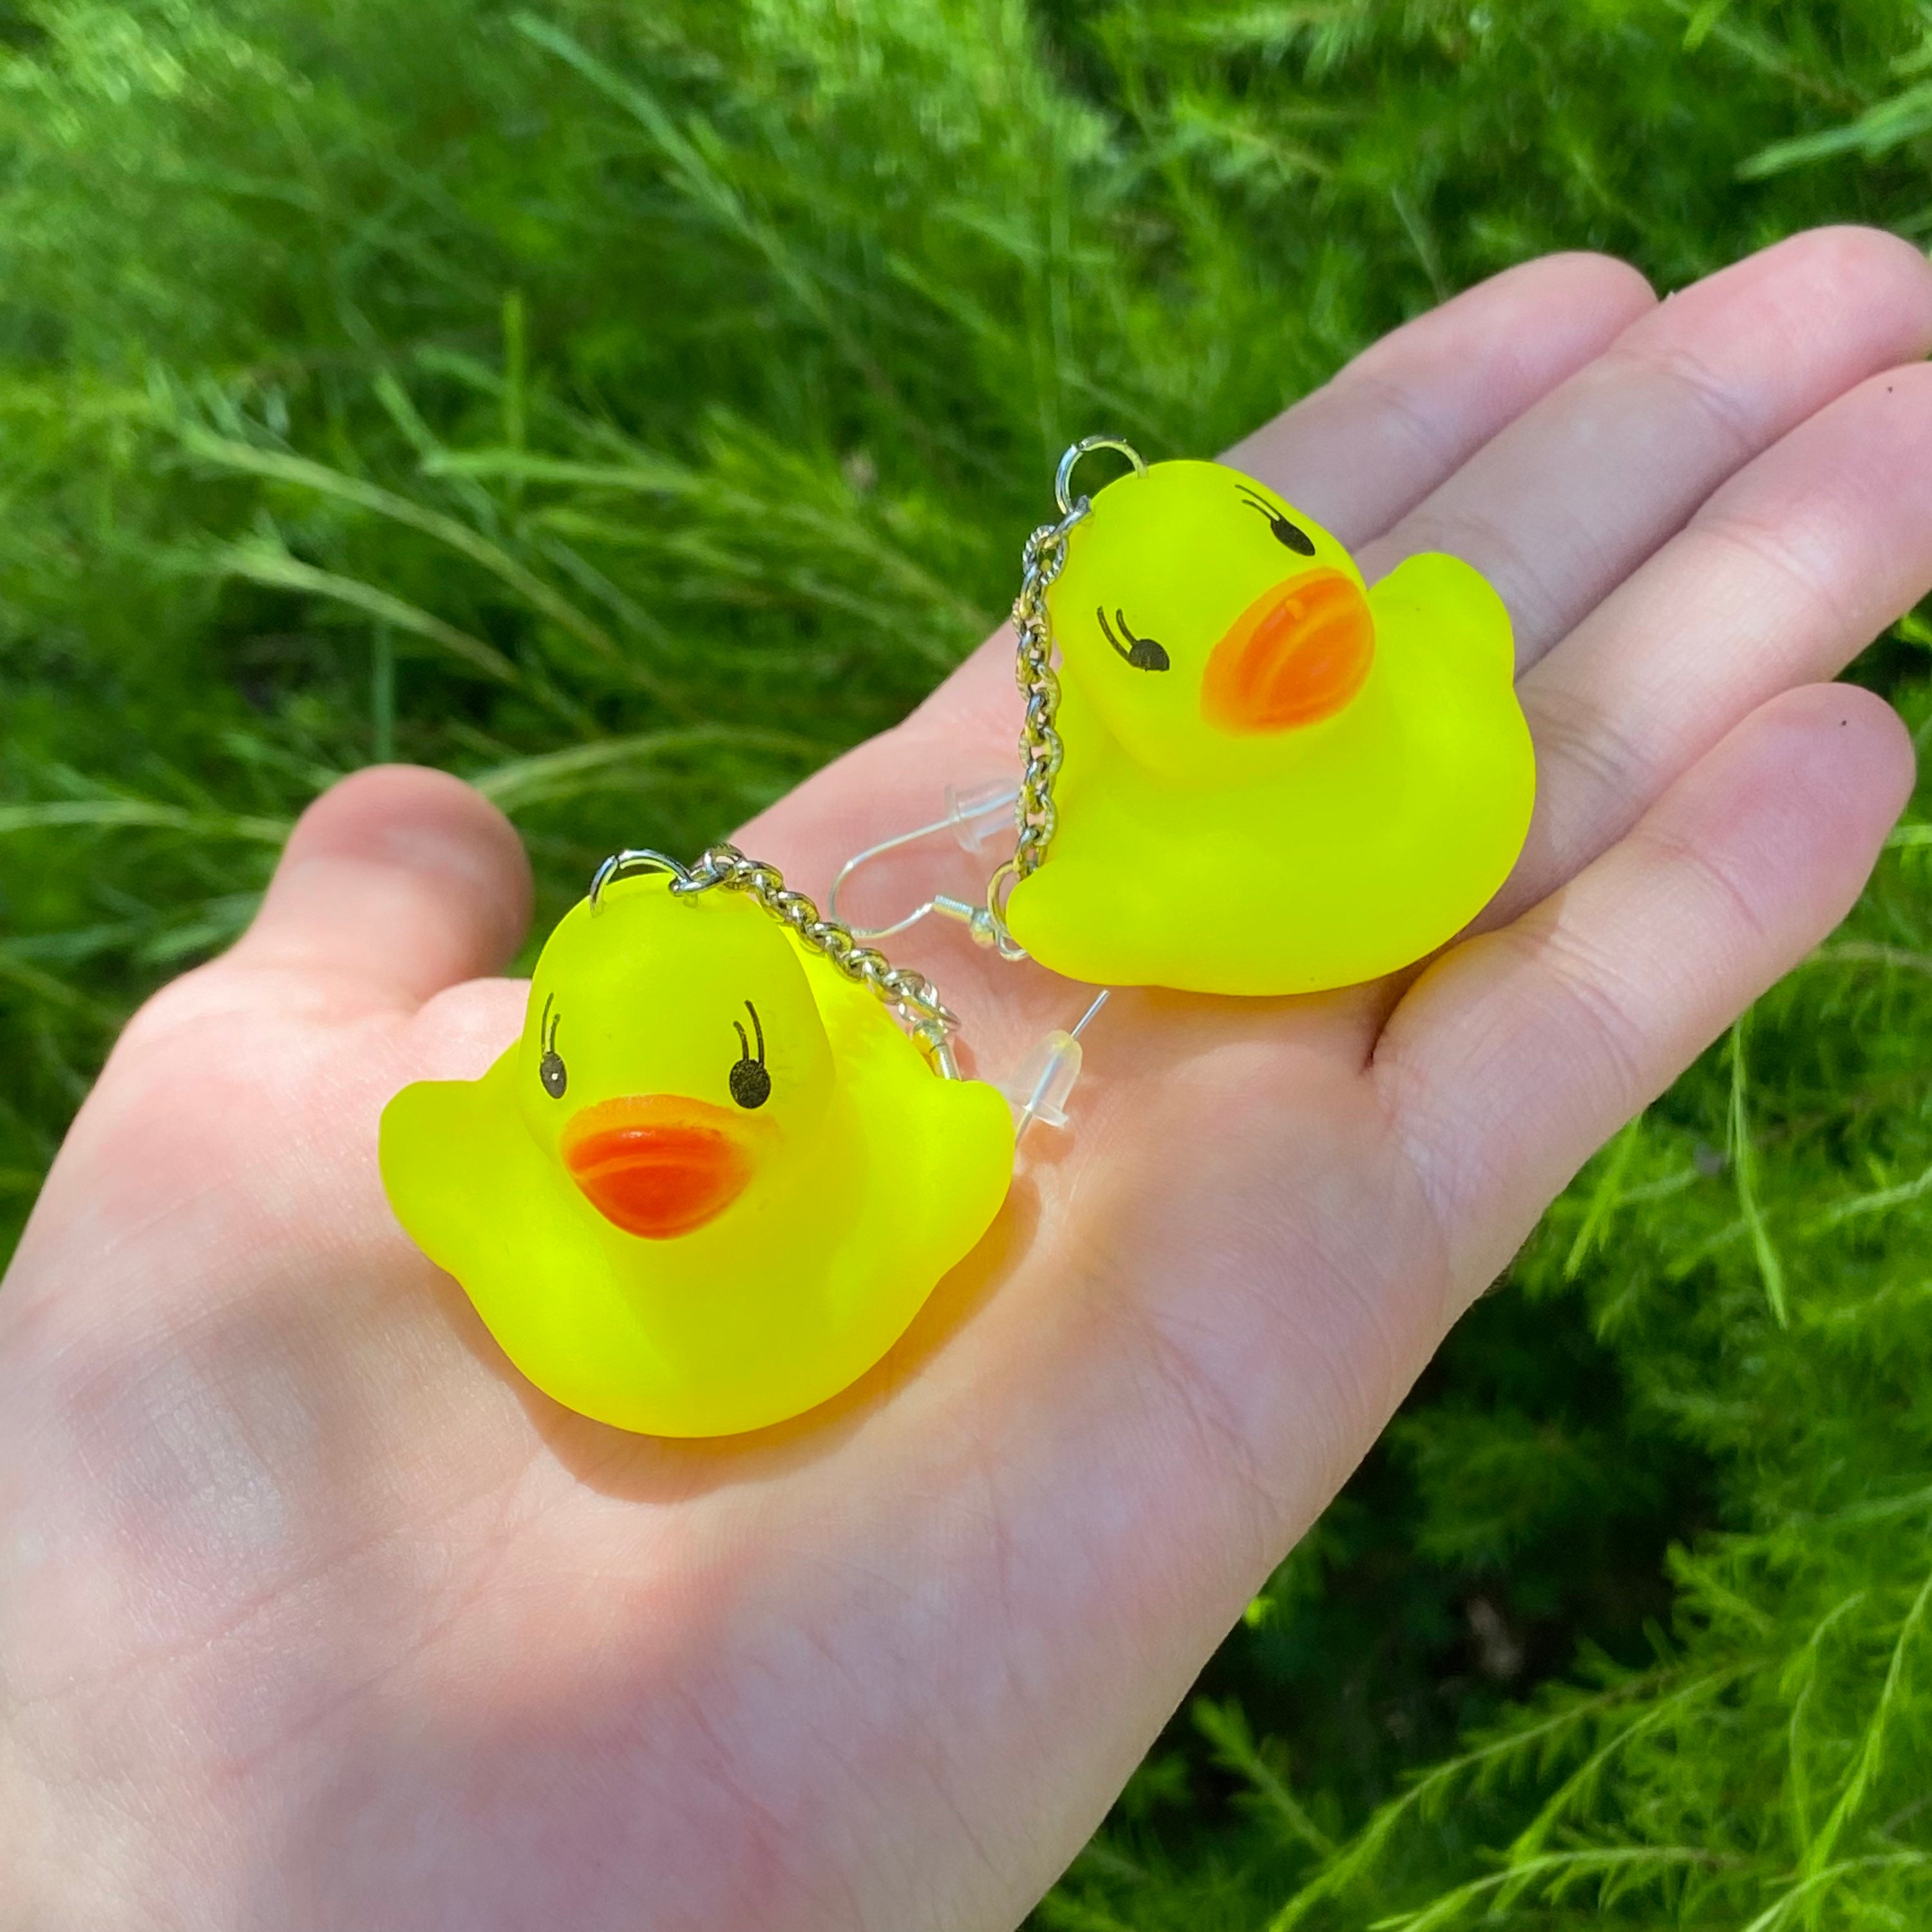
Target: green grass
629	406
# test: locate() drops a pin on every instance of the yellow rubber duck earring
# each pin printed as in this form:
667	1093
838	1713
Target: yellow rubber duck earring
713	1180
1250	772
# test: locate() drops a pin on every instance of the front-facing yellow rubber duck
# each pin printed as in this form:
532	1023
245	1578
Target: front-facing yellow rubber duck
1275	779
712	1182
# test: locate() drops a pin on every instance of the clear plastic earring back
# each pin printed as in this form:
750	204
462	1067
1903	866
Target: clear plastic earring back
1041	1088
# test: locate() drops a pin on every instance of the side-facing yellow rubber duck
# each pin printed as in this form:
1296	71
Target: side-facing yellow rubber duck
712	1182
1275	779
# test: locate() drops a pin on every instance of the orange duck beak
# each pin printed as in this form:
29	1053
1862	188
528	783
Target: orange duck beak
1298	654
658	1165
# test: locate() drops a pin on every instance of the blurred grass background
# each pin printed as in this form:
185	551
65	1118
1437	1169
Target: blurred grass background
629	405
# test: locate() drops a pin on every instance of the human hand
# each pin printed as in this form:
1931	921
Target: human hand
313	1614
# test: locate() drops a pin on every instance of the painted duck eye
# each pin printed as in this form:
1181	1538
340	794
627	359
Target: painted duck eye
1290	536
1143	653
550	1068
750	1085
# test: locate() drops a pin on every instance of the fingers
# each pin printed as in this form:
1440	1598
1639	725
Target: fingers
1788	571
396	883
1394	423
1581	489
1404	414
1520	1052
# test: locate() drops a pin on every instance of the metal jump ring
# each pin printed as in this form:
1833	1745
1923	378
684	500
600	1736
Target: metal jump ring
1009	876
1062	477
719	865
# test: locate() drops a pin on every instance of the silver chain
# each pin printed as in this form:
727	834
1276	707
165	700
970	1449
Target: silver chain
909	996
1035	817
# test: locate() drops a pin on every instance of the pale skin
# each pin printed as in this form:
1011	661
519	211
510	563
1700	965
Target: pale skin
313	1615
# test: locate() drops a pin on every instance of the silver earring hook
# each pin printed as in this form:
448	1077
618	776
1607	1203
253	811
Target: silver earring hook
985	929
1062	477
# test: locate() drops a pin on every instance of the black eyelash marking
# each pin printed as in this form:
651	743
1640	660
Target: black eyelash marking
551	1069
1143	653
750	1085
1285	533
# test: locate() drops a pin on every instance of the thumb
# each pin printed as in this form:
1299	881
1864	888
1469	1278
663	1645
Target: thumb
395	883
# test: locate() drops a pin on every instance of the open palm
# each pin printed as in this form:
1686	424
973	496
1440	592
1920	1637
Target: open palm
313	1614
